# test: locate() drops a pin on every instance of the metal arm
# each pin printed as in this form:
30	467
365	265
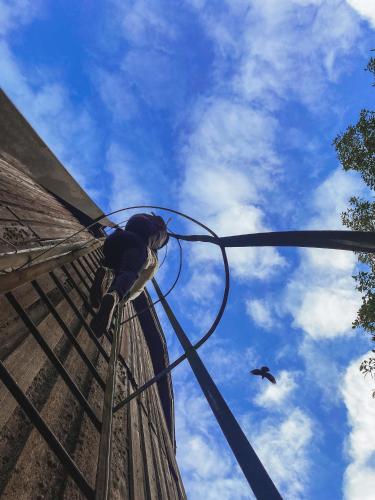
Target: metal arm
355	241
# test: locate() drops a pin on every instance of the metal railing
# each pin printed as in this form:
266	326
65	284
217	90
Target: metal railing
253	469
84	269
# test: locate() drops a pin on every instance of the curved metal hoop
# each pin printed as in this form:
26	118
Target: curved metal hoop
209	332
224	300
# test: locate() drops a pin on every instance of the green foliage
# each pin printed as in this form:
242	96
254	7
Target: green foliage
371	67
356	151
356	147
367	366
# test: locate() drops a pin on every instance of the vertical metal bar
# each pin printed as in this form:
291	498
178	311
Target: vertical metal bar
54	360
79	274
143	451
95	256
130	424
135	487
162	446
88	264
86	271
136	356
98	255
103	474
95	264
79	315
80	293
257	476
146	374
68	333
154	459
95	261
46	432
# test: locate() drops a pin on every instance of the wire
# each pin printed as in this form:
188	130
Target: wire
209	332
165	255
224	300
97	220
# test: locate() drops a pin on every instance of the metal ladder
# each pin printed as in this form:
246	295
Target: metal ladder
84	267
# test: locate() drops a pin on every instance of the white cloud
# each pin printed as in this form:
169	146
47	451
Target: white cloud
282	51
283	445
114	91
320	294
203	285
275	395
260	312
321	370
365	8
126	188
229	161
206	464
331	198
14	13
67	129
148	67
359	479
227	364
143	23
327	311
229	158
247	263
282	441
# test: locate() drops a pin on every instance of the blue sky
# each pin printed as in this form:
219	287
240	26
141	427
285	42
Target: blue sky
227	111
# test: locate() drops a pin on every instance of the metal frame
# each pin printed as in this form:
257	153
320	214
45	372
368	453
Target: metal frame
79	314
104	427
25	403
103	474
253	469
46	432
68	333
54	360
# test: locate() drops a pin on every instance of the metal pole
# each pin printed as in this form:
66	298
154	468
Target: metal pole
256	475
103	474
355	241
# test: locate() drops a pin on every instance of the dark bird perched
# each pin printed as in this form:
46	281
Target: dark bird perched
264	373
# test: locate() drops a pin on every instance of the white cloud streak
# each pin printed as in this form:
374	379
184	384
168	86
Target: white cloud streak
359	480
232	170
260	312
275	395
283	443
365	8
126	188
320	295
208	468
15	13
68	130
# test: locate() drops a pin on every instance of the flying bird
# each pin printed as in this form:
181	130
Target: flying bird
264	372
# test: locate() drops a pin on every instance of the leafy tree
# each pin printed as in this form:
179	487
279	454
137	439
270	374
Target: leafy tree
356	151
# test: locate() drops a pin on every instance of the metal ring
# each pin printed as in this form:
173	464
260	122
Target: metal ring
212	328
226	270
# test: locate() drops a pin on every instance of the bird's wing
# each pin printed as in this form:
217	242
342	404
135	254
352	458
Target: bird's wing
265	369
256	371
270	377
